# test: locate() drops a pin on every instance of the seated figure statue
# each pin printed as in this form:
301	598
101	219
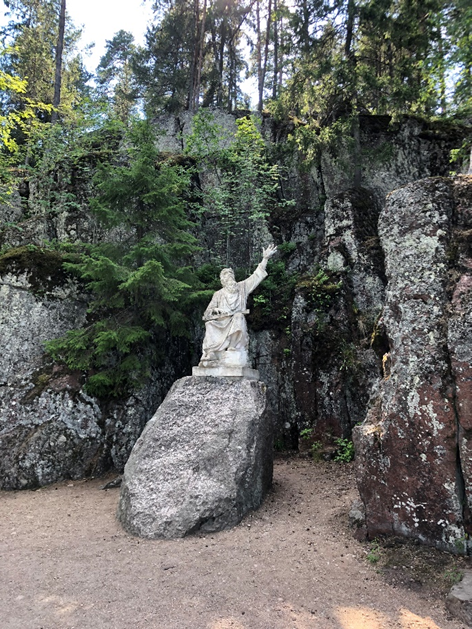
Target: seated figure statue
226	338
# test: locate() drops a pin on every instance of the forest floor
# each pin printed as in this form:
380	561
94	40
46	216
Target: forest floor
66	563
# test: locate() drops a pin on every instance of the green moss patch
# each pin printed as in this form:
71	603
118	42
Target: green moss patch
43	267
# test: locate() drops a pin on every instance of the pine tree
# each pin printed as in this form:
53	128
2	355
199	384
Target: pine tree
115	76
139	281
32	36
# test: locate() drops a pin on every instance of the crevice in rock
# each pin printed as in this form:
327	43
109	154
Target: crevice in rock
455	248
460	479
179	128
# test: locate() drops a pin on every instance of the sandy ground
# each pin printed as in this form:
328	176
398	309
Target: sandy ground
65	563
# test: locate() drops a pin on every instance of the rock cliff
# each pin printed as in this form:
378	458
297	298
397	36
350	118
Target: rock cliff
413	450
311	340
50	429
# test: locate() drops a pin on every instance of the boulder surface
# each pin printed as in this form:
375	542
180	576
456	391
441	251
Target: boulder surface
413	450
202	461
459	599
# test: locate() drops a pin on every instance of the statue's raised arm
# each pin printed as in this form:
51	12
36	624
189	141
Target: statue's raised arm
226	338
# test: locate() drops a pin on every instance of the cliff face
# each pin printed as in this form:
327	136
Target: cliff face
50	429
324	366
313	346
413	450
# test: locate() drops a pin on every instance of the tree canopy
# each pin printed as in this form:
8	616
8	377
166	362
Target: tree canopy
319	62
312	58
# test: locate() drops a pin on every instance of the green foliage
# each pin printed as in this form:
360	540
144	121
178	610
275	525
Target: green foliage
460	157
462	544
287	247
193	55
15	124
31	35
273	299
162	67
61	159
374	553
381	57
316	447
279	445
315	450
241	184
115	77
306	433
458	26
453	576
320	289
139	283
349	361
344	450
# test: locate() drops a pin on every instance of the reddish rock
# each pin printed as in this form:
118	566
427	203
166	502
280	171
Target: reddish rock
460	325
414	453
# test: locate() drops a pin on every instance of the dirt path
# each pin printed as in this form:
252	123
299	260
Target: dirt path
65	563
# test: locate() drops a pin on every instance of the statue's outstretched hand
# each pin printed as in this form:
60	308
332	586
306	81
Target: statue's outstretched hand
269	252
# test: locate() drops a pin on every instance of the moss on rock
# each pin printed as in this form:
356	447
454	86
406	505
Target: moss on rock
43	267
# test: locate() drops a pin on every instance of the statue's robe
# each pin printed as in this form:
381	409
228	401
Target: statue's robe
230	331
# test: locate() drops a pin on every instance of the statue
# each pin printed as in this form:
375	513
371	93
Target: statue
226	338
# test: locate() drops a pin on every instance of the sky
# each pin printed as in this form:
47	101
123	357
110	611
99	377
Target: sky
101	19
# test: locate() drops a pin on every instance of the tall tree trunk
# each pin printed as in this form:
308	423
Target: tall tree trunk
266	53
351	13
194	61
221	59
58	74
276	52
305	26
201	42
260	87
442	76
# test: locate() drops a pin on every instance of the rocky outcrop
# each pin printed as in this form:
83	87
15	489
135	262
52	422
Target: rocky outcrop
311	341
202	462
413	448
50	429
323	362
318	362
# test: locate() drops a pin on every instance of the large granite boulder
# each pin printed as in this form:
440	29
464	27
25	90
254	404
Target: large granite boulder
413	450
202	461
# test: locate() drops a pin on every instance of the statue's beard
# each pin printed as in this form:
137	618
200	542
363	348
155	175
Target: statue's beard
232	286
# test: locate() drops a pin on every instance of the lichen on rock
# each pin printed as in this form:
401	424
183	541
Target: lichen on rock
412	449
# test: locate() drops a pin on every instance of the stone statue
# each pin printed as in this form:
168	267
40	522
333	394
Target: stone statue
226	338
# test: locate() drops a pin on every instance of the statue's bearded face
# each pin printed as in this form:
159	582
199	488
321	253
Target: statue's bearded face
228	281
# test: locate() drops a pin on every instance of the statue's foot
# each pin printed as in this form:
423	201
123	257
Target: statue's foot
209	359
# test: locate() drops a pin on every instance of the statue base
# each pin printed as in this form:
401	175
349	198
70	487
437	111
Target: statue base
202	462
226	371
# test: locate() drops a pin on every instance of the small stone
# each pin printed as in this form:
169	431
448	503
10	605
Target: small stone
357	514
459	599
